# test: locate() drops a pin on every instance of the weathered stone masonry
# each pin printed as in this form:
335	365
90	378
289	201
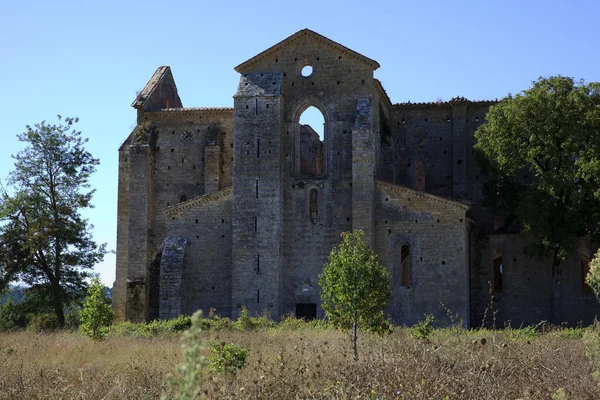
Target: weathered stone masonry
229	207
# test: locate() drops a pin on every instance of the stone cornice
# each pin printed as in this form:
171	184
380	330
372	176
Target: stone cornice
178	209
457	101
182	113
300	34
392	188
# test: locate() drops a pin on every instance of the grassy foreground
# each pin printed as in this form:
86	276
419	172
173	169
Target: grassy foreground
310	363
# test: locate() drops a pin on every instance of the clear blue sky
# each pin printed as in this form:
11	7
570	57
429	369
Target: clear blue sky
88	58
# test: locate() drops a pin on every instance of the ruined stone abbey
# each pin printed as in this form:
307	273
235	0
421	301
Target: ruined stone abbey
230	207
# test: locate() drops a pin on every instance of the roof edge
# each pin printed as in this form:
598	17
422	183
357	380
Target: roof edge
240	68
418	193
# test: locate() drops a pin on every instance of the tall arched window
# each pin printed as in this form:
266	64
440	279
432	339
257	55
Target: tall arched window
498	270
405	265
312	158
313	206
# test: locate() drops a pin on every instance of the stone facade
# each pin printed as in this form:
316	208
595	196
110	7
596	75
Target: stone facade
230	207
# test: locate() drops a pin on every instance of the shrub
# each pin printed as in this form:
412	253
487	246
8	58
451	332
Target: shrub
526	333
46	321
422	329
218	323
179	324
187	381
12	316
97	312
153	328
593	276
245	321
227	358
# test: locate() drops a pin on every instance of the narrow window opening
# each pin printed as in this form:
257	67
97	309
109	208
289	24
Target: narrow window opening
405	265
256	106
182	198
257	188
255	224
257	148
420	176
314	204
258	264
246	106
258	296
498	271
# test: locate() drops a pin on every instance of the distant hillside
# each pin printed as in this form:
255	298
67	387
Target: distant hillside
15	293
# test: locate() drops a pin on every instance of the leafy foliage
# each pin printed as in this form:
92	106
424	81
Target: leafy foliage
593	276
153	328
44	241
12	316
228	358
354	287
186	383
97	312
550	132
422	329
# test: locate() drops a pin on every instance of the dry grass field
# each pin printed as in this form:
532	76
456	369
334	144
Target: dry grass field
308	364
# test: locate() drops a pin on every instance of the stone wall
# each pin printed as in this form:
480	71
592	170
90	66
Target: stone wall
435	230
206	273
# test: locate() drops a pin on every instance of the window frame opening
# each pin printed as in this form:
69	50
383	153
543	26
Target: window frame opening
405	266
498	272
313	204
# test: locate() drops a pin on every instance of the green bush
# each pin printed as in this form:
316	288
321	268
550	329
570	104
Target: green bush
227	358
45	321
572	333
526	333
422	329
97	313
245	321
186	383
12	316
593	276
153	328
179	324
217	323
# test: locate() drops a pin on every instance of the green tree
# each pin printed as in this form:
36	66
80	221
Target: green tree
97	312
44	241
550	131
355	288
593	276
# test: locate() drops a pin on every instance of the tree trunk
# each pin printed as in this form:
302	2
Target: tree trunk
58	304
355	340
555	297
